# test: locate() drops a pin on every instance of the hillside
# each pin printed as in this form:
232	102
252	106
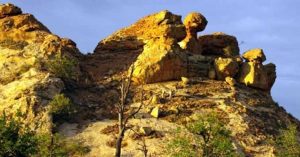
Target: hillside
177	77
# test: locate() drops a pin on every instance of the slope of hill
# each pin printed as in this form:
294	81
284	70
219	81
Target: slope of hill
179	76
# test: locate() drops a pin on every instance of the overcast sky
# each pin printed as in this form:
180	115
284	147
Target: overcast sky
270	24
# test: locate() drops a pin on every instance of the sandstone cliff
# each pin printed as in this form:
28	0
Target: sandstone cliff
180	74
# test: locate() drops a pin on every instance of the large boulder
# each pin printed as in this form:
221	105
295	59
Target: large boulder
254	55
219	44
163	23
226	67
254	75
161	60
194	22
126	44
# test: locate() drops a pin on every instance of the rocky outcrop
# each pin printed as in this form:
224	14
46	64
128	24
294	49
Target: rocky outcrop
26	87
124	46
253	73
9	10
160	24
194	22
151	47
219	44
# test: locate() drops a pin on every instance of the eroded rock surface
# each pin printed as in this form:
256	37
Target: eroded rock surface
151	47
26	86
161	60
253	73
226	67
126	44
194	22
219	44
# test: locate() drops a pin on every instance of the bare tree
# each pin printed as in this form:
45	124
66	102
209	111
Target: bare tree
122	118
143	147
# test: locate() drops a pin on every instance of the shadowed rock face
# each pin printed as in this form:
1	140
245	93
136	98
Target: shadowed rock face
9	10
219	44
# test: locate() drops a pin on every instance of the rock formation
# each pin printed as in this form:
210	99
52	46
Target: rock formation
125	45
194	22
219	44
181	75
25	46
254	73
226	67
161	60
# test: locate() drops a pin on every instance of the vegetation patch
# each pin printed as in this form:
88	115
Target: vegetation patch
62	66
61	107
209	137
287	144
17	141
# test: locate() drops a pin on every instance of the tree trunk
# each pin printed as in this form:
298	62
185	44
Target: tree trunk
119	143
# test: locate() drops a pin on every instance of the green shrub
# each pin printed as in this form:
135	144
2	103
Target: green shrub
17	141
181	146
216	137
58	146
62	66
216	140
60	104
61	107
287	143
14	141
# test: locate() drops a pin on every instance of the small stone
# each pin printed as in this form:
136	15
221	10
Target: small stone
146	131
231	81
155	112
185	81
155	100
174	109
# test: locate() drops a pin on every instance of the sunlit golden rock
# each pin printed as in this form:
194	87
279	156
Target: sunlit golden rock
226	67
194	22
254	55
254	75
161	60
161	24
26	87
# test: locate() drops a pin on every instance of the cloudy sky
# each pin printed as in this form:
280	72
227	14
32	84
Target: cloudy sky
271	24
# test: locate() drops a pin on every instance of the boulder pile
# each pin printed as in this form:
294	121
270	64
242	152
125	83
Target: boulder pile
160	47
253	73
